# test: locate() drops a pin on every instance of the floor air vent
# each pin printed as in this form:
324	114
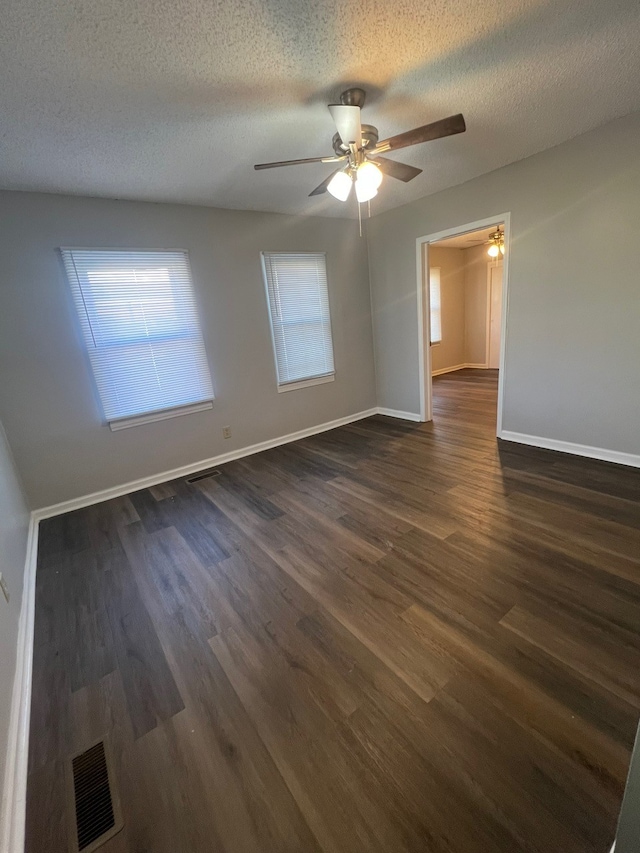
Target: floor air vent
97	809
203	476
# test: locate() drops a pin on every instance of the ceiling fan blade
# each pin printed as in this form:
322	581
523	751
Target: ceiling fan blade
322	188
347	119
400	171
436	130
299	162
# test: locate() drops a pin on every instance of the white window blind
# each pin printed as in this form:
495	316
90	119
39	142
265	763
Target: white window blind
141	329
299	312
435	305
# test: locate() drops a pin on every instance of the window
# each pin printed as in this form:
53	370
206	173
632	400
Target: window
140	327
300	322
434	299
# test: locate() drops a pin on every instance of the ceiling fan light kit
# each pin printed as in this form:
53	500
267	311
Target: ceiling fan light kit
367	177
357	149
496	244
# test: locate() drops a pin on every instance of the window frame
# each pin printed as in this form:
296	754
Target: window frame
310	381
77	299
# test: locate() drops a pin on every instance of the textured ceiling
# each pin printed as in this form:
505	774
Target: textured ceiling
174	100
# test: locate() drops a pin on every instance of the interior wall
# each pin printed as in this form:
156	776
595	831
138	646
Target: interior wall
14	526
628	834
52	417
573	325
450	351
475	302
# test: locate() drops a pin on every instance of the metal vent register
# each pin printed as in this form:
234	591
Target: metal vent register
97	809
203	476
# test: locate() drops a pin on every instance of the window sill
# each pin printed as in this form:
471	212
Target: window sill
163	415
306	383
435	343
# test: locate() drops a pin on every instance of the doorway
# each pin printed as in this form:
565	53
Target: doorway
462	301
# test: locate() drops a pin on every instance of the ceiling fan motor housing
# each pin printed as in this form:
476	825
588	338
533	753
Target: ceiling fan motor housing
369	140
353	97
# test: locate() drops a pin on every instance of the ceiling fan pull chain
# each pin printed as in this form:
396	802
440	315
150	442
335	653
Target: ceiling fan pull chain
359	217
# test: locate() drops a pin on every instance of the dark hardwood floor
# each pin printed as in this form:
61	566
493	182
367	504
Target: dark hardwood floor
388	637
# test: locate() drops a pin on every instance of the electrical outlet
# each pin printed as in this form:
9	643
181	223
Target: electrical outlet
4	588
226	432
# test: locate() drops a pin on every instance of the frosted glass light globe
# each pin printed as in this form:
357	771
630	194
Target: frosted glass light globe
368	179
340	186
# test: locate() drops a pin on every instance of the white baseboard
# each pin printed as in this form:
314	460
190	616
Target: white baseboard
458	367
395	413
14	796
442	370
617	456
193	468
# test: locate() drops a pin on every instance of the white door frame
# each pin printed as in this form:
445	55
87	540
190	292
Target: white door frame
424	332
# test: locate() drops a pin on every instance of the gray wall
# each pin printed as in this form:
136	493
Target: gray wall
14	524
573	336
47	401
628	834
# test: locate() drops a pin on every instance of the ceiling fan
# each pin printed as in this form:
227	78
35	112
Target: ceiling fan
357	149
495	243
